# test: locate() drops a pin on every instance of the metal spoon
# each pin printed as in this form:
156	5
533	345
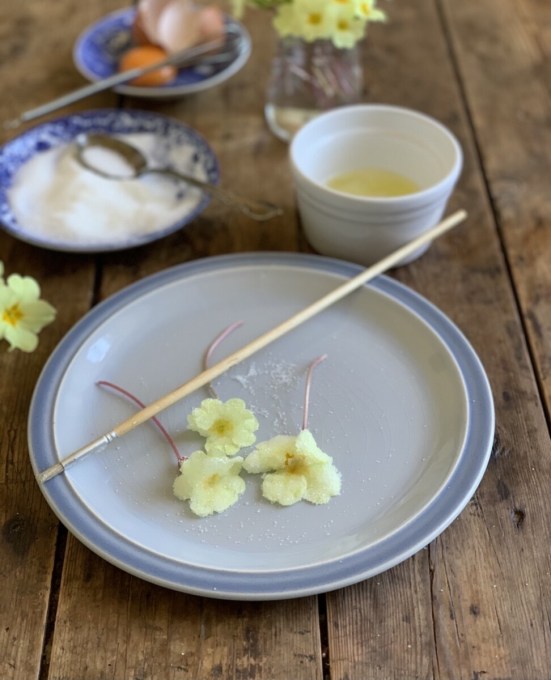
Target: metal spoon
132	163
212	52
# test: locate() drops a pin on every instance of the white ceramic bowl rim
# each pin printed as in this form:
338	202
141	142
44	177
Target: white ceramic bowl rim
405	202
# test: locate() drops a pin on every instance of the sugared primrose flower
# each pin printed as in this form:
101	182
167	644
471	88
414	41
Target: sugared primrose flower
228	426
294	469
210	483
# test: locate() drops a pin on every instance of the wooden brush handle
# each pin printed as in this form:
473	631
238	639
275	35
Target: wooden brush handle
259	343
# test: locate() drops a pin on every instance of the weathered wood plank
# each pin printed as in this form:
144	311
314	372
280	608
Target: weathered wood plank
381	628
36	42
29	528
112	625
35	66
510	103
509	108
467	578
536	16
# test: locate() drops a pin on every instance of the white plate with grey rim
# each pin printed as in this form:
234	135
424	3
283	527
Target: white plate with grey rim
402	404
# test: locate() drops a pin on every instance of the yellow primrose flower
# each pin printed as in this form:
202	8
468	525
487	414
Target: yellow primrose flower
342	21
294	468
22	313
349	5
211	484
228	426
366	10
346	27
305	18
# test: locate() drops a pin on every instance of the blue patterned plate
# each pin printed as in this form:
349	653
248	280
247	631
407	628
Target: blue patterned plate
98	49
182	146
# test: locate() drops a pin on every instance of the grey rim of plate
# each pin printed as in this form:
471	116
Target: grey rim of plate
286	583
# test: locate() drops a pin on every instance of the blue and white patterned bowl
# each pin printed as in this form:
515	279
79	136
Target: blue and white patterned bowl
98	49
201	162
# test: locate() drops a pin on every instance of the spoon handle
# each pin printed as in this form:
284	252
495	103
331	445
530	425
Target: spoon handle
255	209
182	58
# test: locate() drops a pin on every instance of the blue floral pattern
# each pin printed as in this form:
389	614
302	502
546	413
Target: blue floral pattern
172	134
99	48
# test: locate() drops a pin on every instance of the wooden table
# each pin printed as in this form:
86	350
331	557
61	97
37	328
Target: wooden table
476	603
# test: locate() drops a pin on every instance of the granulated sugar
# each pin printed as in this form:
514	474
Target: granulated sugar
269	389
54	196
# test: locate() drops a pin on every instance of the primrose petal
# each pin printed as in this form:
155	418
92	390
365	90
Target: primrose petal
279	487
211	484
25	287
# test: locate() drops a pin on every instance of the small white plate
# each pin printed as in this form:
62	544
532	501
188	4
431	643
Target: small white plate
402	405
98	49
182	146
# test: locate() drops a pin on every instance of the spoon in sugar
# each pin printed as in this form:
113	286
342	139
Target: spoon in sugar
115	159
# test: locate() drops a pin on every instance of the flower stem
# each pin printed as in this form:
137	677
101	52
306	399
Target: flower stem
140	404
212	347
311	367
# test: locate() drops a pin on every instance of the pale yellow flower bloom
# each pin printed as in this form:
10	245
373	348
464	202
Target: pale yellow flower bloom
294	468
346	28
342	21
228	426
22	313
305	18
210	483
366	9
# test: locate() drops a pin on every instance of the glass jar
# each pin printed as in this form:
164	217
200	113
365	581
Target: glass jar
308	78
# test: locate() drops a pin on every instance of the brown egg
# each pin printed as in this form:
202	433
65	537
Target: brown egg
149	12
211	23
138	33
145	55
179	24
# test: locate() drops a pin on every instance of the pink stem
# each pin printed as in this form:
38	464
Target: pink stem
213	345
129	395
313	365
